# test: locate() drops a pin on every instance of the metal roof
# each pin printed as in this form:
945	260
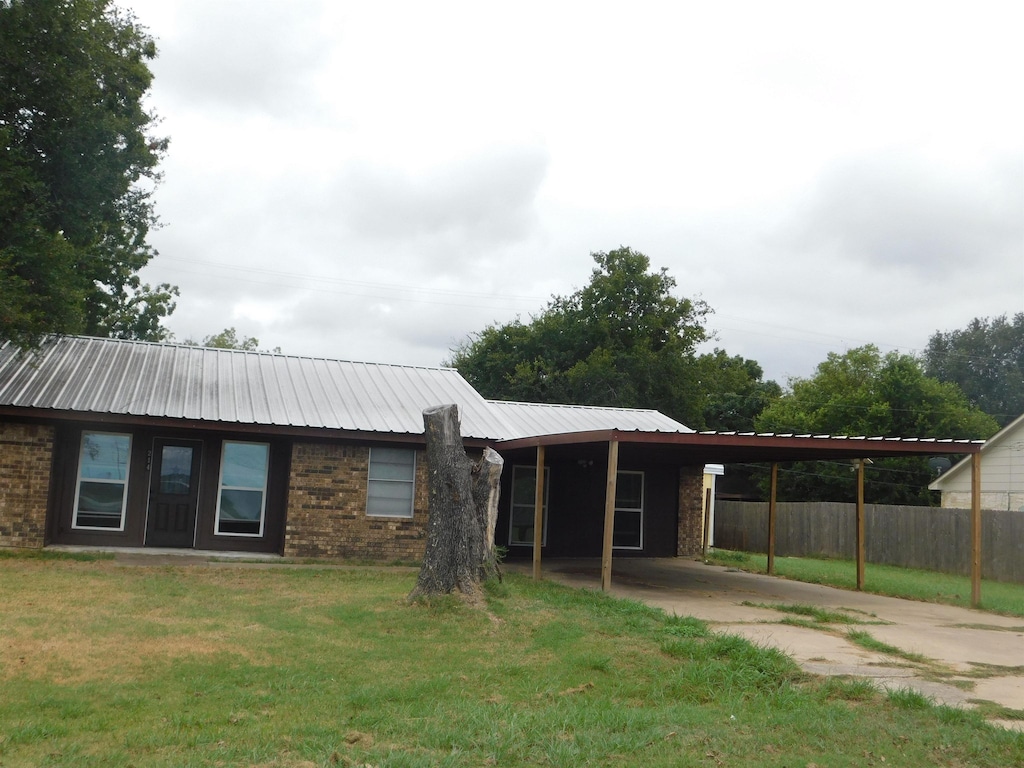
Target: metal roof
535	419
112	378
174	381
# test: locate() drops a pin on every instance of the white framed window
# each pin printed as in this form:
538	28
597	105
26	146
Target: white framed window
391	487
101	493
628	531
242	495
524	493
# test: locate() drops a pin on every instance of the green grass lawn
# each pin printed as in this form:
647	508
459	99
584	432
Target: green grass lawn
930	586
106	665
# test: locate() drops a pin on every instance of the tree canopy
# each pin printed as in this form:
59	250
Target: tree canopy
623	340
863	392
986	360
229	339
77	169
733	391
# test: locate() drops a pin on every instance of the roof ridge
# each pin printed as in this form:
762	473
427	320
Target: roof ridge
574	405
266	353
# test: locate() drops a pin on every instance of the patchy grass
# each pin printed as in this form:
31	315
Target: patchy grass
103	665
928	586
818	615
866	641
990	710
49	554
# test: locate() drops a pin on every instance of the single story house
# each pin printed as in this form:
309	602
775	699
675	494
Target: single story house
121	443
1002	473
131	444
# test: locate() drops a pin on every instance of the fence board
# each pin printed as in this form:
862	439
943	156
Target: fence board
930	538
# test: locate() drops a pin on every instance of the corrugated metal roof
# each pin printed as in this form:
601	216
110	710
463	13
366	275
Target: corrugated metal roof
535	419
172	381
132	378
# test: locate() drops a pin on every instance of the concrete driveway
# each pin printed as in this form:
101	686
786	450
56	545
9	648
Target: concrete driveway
965	655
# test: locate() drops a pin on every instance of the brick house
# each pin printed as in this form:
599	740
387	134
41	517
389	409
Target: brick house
130	444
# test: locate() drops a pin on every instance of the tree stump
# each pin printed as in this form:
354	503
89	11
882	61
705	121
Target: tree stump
463	508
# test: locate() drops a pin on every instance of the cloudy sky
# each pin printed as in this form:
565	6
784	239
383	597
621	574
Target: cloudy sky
377	180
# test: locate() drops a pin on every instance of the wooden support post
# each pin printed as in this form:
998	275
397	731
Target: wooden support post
771	519
707	522
538	514
860	525
609	515
976	530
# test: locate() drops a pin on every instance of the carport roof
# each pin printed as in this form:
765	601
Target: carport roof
732	447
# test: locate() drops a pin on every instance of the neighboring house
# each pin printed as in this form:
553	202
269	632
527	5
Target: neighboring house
1002	473
121	443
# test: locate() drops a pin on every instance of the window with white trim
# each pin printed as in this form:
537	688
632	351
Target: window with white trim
628	532
524	494
101	492
391	486
242	495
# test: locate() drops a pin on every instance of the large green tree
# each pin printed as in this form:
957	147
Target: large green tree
623	340
863	392
77	169
986	360
733	391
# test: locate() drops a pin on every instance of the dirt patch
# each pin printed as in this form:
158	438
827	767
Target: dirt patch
76	659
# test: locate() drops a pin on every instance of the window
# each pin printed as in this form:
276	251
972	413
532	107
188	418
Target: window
176	470
392	481
102	489
524	493
628	532
242	500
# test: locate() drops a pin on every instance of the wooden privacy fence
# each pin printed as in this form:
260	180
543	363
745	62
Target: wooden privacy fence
930	538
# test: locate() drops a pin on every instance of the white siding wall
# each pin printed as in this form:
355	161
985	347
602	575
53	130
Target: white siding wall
996	500
1002	475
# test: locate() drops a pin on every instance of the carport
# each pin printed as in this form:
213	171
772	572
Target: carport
697	448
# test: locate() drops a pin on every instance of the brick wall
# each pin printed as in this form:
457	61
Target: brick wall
327	508
691	504
26	457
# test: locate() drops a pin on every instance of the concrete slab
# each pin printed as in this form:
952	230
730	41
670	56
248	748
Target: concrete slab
969	654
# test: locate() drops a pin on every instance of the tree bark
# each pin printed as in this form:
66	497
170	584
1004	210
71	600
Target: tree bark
463	504
486	491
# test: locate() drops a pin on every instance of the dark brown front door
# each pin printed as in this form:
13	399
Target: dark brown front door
173	493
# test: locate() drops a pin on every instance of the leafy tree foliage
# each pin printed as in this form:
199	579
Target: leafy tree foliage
733	391
623	340
986	360
865	393
229	339
77	168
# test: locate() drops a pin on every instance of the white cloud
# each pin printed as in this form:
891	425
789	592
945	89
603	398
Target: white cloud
380	180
